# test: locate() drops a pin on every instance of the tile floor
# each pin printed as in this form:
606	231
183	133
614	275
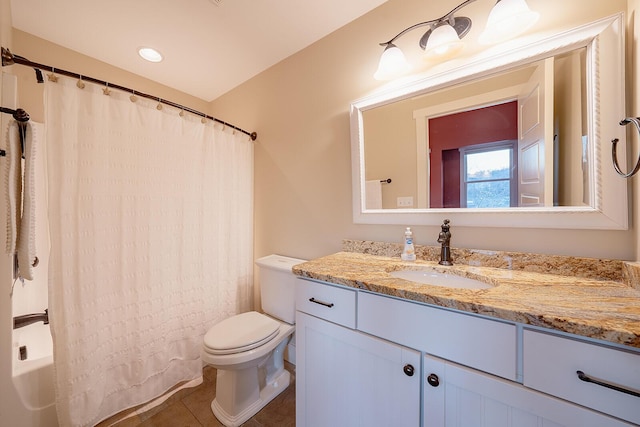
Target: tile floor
191	407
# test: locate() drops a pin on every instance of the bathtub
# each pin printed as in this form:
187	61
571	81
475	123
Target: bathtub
33	377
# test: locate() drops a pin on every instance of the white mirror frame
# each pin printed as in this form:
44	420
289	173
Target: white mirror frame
604	40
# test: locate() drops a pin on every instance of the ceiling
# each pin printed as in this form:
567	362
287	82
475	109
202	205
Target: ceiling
209	46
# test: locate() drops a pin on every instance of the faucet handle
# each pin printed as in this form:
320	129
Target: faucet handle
445	226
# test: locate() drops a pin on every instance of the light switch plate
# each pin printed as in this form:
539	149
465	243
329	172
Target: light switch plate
405	202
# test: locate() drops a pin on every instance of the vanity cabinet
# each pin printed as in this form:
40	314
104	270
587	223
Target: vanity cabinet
354	348
345	377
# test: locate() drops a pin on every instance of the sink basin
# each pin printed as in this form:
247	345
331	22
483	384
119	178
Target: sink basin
435	278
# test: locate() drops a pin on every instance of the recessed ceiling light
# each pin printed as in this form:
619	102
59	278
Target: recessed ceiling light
150	54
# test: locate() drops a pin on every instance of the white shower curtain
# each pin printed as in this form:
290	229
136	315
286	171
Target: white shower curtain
151	218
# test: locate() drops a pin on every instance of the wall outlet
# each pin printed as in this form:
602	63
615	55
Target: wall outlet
405	202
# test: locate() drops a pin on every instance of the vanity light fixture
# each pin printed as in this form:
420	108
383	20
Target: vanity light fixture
150	54
443	39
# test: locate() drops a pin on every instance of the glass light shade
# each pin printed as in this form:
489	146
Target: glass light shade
443	42
507	19
392	63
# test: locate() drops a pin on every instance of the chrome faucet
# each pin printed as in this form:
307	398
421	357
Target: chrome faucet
27	319
444	238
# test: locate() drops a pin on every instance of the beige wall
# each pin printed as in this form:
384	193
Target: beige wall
5	27
300	109
44	52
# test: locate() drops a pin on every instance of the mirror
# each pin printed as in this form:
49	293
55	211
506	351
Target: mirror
467	146
548	109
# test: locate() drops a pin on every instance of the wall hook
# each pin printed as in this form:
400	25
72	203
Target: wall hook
614	143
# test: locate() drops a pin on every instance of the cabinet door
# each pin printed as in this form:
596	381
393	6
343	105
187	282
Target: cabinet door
347	378
463	397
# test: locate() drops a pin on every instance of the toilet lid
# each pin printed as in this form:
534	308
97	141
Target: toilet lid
240	333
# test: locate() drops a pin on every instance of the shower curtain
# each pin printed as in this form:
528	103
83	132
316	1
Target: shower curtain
151	222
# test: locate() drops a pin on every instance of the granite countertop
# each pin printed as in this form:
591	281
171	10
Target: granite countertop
592	307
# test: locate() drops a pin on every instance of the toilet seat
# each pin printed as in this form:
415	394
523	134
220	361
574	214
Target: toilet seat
240	333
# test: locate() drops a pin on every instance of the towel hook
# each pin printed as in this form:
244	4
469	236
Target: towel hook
614	143
22	117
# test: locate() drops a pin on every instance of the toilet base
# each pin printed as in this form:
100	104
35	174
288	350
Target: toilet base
266	395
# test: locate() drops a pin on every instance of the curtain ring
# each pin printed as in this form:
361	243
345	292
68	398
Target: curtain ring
80	83
159	106
614	154
133	97
52	76
106	90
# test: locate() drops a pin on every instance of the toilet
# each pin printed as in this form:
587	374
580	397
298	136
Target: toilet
248	349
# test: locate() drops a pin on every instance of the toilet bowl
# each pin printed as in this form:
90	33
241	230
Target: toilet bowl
248	349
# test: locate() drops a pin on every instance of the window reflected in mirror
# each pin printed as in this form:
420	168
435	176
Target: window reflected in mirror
488	175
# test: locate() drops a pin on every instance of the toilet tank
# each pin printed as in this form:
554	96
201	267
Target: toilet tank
277	283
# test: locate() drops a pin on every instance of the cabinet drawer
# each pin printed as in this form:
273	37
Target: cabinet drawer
551	364
473	341
332	303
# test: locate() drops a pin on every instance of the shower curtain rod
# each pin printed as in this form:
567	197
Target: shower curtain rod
9	58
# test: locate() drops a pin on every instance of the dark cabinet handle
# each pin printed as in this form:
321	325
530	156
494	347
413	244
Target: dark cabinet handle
408	370
433	380
584	377
326	304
